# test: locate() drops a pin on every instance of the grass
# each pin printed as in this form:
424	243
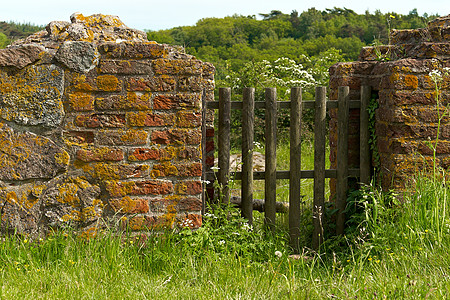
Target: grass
395	248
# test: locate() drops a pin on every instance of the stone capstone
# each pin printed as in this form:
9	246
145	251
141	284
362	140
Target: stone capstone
25	155
32	96
78	56
20	57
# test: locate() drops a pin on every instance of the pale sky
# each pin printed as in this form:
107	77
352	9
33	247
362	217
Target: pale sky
160	14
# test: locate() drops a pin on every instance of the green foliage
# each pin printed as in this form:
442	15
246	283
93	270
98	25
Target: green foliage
14	31
225	231
3	40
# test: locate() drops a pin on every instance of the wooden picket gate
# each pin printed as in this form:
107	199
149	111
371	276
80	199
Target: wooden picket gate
295	174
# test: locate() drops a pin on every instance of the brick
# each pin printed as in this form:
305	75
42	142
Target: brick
130	137
189	84
189	119
176	136
108	83
101	120
127	205
133	50
188	187
178	169
177	67
179	204
161	154
176	101
210	132
152	187
127	67
81	101
209	146
136	188
161	83
111	171
132	101
189	153
141	119
100	154
79	137
143	154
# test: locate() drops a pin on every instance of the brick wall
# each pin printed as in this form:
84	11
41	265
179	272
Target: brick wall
100	126
406	119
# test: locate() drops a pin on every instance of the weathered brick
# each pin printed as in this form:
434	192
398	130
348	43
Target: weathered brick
161	83
161	154
176	101
127	205
141	119
177	67
127	67
100	154
79	137
188	187
146	223
131	50
100	120
152	187
143	154
178	203
132	101
110	171
130	137
108	83
178	169
176	136
189	84
81	101
189	153
189	119
136	188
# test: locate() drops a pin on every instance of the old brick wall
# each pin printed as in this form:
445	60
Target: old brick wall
99	126
407	118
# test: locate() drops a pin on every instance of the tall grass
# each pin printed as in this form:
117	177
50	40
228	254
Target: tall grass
398	249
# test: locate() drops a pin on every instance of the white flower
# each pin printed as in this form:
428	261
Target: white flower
221	242
215	168
278	253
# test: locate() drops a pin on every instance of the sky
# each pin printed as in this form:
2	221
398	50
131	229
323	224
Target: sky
165	14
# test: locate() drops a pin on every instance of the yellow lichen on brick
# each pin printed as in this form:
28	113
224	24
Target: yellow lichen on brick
411	81
133	135
81	101
107	83
117	189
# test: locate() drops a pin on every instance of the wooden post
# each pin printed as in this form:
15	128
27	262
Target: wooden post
319	165
342	158
248	117
364	159
295	167
224	143
271	156
203	150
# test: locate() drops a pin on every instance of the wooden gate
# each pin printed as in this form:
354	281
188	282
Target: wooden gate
295	174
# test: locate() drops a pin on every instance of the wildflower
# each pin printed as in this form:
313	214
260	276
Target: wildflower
215	168
25	241
392	16
221	242
426	230
206	181
370	258
278	253
377	261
